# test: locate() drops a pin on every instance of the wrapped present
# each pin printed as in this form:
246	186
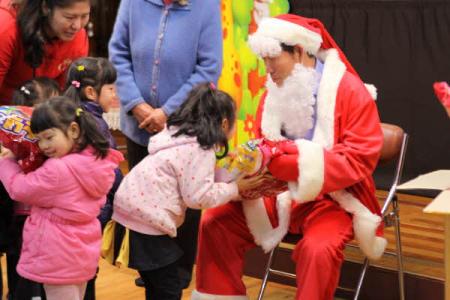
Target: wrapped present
16	135
250	159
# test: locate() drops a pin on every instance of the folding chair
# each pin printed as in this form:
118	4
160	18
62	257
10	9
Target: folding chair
394	147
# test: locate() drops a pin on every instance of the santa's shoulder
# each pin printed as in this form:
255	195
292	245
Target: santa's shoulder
352	86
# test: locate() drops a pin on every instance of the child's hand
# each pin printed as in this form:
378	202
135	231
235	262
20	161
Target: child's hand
245	184
6	153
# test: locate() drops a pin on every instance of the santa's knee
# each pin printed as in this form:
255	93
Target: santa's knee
317	250
213	222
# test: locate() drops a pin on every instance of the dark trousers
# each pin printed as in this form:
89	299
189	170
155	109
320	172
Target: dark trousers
19	288
163	283
187	234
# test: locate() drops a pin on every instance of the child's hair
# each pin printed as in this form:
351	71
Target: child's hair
59	112
88	71
202	114
35	91
32	22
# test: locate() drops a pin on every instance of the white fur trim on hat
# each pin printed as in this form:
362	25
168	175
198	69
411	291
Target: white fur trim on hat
196	295
273	30
311	168
259	223
264	46
365	224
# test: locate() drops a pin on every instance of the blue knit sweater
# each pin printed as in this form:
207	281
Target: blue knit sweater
161	52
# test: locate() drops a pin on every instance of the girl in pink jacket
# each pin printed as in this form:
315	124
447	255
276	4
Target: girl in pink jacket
178	173
61	238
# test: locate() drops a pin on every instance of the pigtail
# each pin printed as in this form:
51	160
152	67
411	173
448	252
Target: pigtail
202	114
90	135
24	95
34	91
88	71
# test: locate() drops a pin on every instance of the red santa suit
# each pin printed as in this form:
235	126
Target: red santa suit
331	192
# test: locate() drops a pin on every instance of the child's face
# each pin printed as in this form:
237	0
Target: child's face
107	96
55	143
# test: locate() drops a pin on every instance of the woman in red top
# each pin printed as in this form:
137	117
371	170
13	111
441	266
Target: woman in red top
40	38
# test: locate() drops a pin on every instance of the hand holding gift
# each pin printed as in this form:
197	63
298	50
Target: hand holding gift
249	161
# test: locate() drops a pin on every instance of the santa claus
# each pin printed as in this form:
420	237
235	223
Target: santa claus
316	99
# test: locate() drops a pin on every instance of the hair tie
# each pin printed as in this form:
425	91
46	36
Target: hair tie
76	84
24	90
80	68
212	85
78	112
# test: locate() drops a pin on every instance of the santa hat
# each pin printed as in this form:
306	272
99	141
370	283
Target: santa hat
292	30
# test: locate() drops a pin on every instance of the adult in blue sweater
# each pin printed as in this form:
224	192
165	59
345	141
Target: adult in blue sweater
161	49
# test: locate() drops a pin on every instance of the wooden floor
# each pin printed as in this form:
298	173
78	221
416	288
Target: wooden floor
118	284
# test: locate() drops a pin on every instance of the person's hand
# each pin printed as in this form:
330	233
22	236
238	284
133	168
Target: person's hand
6	153
155	122
142	111
245	184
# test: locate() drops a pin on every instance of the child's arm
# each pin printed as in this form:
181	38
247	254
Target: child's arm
29	188
197	186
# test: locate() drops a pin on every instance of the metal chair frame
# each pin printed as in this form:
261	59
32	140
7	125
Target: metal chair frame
390	217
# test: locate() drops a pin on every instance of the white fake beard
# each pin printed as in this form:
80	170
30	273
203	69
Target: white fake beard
292	104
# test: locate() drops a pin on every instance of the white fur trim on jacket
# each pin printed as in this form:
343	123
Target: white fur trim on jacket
271	120
372	90
283	32
259	223
311	171
196	295
365	224
333	71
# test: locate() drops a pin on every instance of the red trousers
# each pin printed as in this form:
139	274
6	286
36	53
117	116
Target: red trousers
224	238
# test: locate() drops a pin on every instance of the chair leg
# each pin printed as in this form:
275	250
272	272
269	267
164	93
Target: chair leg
401	281
266	274
361	278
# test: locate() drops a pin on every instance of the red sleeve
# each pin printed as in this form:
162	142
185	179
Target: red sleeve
8	40
356	153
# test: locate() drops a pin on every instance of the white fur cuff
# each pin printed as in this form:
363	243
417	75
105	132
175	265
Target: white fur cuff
365	224
311	168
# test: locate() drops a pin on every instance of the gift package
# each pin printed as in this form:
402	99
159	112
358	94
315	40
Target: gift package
16	135
247	160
